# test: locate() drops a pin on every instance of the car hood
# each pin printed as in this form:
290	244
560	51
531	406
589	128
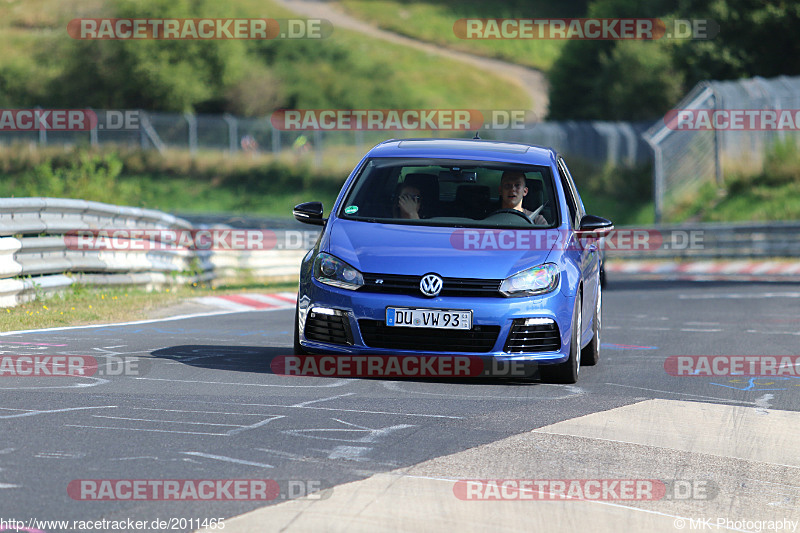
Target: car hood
449	252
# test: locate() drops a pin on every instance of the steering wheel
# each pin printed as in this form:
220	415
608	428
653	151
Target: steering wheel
513	212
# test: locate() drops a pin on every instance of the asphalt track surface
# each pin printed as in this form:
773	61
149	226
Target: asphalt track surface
205	405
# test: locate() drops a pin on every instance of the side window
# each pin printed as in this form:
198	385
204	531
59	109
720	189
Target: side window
568	192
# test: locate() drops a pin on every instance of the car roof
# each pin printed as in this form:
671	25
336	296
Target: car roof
475	149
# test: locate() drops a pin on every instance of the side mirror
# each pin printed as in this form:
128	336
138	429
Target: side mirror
595	224
309	213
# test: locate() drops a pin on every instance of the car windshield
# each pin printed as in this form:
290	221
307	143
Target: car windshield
448	192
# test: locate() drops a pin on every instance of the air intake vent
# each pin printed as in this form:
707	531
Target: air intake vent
533	335
331	326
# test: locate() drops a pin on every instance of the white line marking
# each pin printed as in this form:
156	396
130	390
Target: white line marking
352	453
34	413
109	352
395	386
372	434
329	385
228	459
150	430
167	421
345	410
59	455
201	412
774	332
8	486
293	456
136	322
254	426
739	296
697	330
97	381
723	400
303	404
763	401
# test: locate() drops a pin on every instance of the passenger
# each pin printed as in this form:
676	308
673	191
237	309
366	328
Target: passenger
513	191
408	203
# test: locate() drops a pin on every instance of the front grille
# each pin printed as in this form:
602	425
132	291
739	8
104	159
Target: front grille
334	329
401	284
479	339
540	335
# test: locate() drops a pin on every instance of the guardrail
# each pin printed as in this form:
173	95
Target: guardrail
704	241
36	257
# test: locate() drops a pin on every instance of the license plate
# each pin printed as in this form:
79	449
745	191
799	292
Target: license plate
429	318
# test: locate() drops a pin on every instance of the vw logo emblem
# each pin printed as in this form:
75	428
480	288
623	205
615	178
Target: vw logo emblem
430	285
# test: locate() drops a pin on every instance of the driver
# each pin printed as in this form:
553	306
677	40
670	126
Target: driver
513	190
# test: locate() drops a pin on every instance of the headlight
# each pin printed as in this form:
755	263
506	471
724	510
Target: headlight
333	271
537	280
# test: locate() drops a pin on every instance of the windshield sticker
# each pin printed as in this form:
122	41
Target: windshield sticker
350	209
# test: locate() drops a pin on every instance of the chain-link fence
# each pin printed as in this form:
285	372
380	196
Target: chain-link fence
616	143
718	128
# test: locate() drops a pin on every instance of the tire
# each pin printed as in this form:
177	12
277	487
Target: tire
567	372
590	355
298	348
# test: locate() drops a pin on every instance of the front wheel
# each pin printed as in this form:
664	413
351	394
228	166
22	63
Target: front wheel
567	372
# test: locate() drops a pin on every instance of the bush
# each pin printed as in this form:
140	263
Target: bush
615	80
174	181
87	176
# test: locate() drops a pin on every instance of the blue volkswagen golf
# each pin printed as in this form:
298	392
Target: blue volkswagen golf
455	247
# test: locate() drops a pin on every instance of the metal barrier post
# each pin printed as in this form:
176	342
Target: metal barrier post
191	120
233	132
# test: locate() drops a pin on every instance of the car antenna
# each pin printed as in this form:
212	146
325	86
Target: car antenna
477	137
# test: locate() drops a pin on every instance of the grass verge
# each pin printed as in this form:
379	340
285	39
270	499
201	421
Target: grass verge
83	305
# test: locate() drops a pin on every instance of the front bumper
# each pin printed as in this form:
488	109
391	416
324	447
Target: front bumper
499	311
